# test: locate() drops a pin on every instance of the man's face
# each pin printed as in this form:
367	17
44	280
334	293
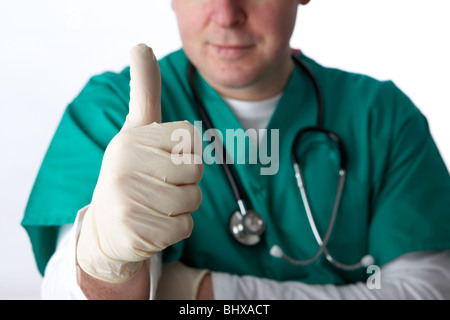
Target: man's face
236	43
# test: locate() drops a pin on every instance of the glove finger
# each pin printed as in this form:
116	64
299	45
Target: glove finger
172	137
155	232
164	198
174	169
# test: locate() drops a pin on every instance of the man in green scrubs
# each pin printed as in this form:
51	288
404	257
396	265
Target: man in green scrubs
396	196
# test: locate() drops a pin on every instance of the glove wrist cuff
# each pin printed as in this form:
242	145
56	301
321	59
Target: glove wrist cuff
197	281
93	261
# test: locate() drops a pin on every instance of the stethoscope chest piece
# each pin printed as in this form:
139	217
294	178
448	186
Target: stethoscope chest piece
247	229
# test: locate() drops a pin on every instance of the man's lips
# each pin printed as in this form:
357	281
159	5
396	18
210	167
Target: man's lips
231	51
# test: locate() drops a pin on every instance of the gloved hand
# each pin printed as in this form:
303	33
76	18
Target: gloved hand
142	201
179	282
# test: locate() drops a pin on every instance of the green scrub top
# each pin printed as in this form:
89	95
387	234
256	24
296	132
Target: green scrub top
396	198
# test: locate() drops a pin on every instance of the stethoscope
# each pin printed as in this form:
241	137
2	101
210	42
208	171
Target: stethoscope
248	226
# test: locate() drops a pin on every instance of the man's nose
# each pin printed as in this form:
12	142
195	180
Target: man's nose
228	13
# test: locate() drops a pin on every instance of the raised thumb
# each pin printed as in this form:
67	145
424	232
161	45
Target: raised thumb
145	87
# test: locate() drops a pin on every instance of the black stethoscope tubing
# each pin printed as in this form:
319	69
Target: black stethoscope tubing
209	125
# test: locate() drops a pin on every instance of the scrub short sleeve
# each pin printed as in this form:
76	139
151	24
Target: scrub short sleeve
411	200
70	168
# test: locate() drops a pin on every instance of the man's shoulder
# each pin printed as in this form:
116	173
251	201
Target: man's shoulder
117	83
339	77
363	95
359	87
174	59
172	62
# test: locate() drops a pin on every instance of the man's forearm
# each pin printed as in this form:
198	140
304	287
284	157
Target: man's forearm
136	288
417	275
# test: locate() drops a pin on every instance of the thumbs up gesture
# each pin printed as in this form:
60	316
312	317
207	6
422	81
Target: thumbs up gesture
142	202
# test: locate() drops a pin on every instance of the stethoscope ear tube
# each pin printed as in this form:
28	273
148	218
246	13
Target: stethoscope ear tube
208	122
330	134
246	226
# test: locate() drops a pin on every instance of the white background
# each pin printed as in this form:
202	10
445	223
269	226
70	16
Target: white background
49	49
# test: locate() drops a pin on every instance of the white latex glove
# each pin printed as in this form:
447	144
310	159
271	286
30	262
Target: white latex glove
142	201
179	282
